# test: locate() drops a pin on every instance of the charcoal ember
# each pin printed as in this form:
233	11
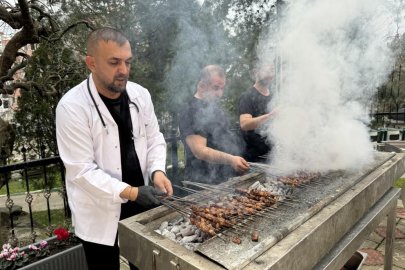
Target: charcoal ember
176	221
178	238
179	235
197	232
187	231
269	186
175	229
189	239
163	226
170	235
255	185
200	239
169	228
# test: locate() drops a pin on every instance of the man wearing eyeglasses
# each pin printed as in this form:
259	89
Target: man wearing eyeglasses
109	140
213	151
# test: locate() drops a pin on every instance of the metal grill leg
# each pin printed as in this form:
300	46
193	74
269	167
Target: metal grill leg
389	245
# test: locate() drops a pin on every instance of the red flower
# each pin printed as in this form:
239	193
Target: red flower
61	234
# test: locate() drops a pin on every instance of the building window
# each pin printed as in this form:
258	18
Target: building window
5	104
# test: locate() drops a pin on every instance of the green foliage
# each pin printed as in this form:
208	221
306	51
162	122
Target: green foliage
11	258
171	42
57	217
399	183
58	68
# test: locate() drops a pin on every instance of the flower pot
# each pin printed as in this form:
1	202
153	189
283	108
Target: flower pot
69	259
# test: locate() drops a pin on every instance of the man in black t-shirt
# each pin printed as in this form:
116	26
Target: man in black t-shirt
254	111
213	151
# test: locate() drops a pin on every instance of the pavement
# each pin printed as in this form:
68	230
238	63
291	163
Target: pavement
374	246
39	202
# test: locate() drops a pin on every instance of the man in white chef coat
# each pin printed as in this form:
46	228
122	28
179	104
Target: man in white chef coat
109	140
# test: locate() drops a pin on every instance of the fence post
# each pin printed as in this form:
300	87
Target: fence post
47	194
175	161
29	198
9	202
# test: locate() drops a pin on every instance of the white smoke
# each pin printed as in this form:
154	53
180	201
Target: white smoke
337	55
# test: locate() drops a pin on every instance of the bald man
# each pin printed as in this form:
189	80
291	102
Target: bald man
109	141
213	151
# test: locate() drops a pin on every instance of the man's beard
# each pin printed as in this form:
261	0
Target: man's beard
114	88
265	82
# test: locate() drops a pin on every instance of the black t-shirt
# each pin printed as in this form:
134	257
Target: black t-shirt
130	166
208	120
254	103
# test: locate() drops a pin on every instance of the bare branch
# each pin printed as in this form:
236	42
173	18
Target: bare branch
71	27
12	19
25	85
25	14
16	67
44	14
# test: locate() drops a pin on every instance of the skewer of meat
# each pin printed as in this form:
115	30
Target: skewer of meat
203	226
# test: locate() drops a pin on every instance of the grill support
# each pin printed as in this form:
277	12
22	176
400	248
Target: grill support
348	245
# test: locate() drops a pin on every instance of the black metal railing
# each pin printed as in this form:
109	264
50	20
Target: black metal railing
43	164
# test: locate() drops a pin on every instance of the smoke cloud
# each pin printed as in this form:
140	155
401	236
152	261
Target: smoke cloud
335	54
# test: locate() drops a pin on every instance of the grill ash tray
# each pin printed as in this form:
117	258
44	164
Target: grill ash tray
307	202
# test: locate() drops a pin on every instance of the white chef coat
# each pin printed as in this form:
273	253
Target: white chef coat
92	157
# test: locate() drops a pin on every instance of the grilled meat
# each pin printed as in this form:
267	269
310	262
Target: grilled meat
236	240
255	237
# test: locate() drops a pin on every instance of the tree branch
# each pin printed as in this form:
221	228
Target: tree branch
71	27
12	19
25	14
44	14
26	86
16	67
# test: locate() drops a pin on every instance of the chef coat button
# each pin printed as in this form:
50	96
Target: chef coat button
118	169
113	125
116	216
116	146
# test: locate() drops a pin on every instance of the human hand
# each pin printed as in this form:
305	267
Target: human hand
147	196
273	112
162	183
239	164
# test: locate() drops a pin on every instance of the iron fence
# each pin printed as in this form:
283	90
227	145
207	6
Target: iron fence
43	163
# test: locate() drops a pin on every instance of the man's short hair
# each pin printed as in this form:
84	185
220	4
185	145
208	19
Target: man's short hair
104	34
205	74
259	63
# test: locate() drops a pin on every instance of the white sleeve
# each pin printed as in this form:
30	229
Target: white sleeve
156	157
75	144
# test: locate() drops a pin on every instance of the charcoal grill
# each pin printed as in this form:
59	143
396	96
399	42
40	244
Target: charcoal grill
330	222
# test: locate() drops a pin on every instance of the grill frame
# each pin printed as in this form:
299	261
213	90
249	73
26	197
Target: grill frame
154	251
